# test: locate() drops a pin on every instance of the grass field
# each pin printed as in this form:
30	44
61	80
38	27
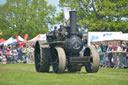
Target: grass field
24	74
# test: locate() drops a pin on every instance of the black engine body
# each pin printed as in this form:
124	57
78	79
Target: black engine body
71	37
73	44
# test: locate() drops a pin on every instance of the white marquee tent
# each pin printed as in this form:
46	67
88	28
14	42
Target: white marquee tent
122	37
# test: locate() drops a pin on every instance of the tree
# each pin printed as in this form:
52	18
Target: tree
26	16
100	15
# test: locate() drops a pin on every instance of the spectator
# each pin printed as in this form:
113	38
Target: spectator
19	57
127	54
124	50
115	54
8	55
109	52
1	55
121	56
3	50
14	54
101	56
28	55
4	60
25	52
105	58
32	54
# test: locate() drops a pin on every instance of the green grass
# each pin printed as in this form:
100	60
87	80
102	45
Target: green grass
24	74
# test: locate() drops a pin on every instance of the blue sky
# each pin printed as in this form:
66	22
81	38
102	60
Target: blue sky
53	2
2	2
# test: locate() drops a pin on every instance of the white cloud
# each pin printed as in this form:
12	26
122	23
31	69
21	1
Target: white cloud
54	3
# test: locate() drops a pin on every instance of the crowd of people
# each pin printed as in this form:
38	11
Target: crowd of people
113	55
13	54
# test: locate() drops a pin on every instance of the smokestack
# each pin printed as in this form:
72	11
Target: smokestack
73	22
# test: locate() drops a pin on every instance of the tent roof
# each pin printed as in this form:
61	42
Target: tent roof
114	37
9	41
38	37
108	38
20	39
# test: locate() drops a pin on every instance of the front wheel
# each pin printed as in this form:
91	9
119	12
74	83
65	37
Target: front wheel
93	65
58	60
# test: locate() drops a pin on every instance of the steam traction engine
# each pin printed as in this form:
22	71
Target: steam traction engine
64	53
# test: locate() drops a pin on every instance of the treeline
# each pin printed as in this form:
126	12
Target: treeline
34	16
25	16
100	15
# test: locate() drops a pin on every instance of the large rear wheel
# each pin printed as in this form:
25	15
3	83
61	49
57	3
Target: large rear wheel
58	60
42	54
93	65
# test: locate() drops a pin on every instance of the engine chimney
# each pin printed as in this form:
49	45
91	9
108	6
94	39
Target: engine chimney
73	22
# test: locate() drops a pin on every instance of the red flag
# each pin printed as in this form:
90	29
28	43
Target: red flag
25	36
23	43
16	36
20	44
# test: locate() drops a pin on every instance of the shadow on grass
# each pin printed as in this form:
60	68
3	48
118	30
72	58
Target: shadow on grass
65	72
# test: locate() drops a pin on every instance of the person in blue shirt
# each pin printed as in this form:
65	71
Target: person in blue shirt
101	55
110	55
19	54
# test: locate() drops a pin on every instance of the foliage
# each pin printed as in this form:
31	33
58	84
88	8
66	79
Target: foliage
100	15
25	16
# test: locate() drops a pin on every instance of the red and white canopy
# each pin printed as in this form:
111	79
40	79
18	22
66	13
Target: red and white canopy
38	37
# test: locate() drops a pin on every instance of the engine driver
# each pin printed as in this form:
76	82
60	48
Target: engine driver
60	30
